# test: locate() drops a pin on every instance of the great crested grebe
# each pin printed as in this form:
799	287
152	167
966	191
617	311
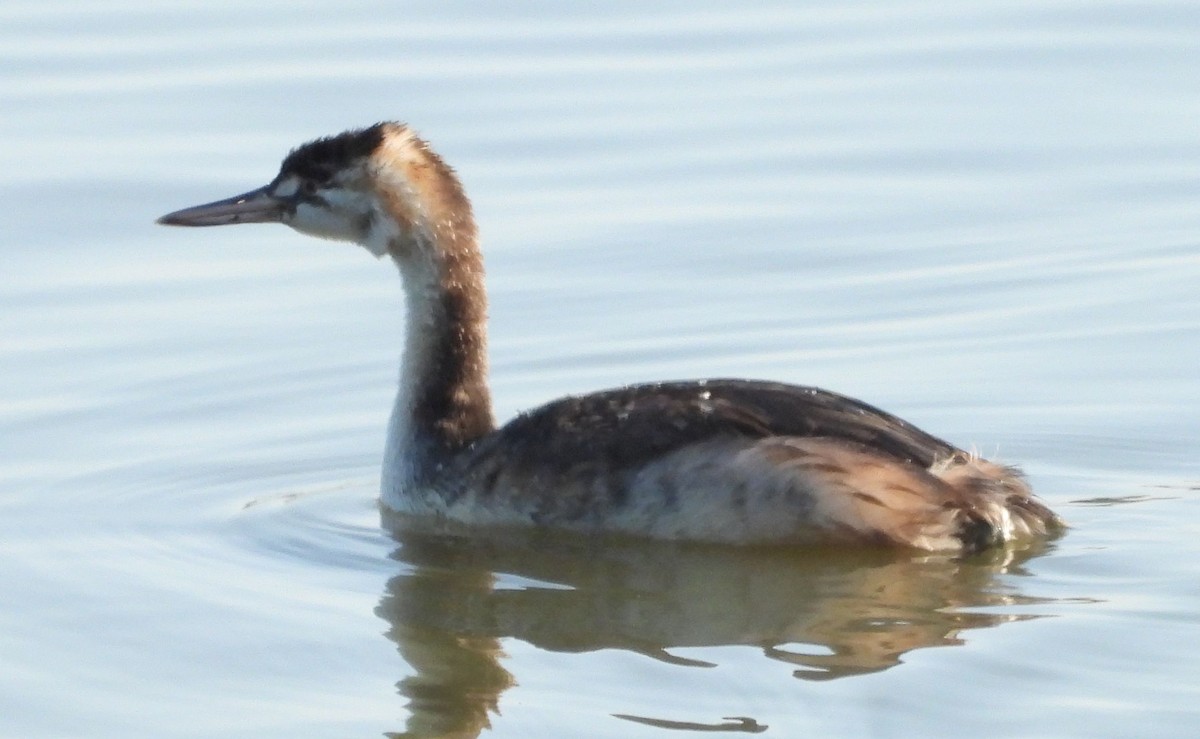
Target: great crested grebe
731	461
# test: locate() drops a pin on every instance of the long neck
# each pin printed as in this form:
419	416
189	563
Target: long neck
443	404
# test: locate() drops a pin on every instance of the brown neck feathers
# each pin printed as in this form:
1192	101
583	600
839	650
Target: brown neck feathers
445	384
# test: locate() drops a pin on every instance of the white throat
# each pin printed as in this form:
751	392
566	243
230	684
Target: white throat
406	451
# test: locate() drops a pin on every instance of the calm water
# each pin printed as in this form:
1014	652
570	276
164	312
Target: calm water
982	217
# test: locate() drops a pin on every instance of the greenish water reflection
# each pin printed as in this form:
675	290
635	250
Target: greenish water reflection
830	614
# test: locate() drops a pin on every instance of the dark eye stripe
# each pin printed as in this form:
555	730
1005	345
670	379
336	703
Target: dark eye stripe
310	198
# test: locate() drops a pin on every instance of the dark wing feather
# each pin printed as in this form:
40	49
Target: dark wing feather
625	428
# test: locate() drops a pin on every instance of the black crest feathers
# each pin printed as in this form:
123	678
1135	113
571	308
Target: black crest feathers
318	160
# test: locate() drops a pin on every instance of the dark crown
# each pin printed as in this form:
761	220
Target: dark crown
319	160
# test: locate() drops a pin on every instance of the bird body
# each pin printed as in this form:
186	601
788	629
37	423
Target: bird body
729	461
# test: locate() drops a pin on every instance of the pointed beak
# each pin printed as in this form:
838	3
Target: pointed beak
256	206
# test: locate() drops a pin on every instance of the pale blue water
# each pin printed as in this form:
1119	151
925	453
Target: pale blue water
981	216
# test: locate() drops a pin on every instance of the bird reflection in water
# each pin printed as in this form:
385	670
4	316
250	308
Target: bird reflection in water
829	616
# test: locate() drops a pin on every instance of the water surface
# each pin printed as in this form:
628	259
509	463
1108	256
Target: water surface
982	218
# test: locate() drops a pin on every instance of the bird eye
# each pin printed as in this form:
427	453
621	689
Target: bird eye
309	187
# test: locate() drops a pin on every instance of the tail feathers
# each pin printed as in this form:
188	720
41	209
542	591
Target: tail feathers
962	503
994	502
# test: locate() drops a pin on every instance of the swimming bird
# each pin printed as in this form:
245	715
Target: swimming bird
722	460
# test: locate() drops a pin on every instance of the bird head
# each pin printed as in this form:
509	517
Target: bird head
370	186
